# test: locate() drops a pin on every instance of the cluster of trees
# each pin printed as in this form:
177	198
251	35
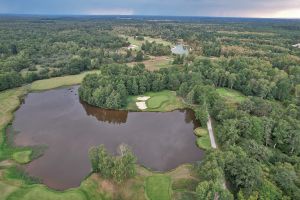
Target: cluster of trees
118	168
251	76
155	49
38	49
111	88
260	142
10	80
260	148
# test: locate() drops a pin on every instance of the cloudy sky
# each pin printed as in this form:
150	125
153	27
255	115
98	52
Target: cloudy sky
226	8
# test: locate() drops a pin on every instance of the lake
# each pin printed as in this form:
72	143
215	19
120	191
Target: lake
179	50
69	127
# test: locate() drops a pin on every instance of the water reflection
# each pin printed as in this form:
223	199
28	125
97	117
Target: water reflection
106	115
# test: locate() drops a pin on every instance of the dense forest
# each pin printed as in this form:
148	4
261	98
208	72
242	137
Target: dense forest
259	137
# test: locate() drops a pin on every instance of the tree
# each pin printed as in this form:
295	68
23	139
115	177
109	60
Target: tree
122	91
105	162
139	56
201	114
14	49
135	87
283	89
228	133
142	84
269	191
190	97
243	172
113	100
117	168
285	176
183	89
93	156
211	191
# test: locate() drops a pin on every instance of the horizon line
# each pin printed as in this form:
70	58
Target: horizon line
144	15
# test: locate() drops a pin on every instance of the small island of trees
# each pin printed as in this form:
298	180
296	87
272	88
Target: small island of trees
117	168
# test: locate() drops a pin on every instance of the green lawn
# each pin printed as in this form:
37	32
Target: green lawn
232	97
203	140
22	157
89	189
158	187
38	192
9	101
57	82
163	101
6	190
156	101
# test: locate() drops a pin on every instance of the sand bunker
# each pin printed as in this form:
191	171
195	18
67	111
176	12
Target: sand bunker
144	98
132	46
141	104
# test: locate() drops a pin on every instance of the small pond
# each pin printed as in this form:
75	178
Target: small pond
68	127
180	50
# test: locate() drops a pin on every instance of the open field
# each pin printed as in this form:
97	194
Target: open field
56	82
158	187
139	43
155	63
232	97
163	101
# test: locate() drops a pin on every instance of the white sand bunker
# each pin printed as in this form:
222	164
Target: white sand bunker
144	98
141	104
132	46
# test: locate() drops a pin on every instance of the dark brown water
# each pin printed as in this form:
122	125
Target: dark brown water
56	118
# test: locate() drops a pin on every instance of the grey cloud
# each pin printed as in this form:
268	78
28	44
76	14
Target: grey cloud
151	7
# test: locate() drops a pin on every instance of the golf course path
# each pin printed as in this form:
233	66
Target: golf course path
213	143
211	134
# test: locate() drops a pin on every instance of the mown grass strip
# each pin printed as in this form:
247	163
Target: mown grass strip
57	82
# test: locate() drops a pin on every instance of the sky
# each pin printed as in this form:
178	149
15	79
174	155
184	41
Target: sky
218	8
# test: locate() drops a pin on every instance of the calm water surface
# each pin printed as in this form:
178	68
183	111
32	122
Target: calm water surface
68	127
180	50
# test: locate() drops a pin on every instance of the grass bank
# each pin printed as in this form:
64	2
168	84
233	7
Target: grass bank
203	140
158	187
57	82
